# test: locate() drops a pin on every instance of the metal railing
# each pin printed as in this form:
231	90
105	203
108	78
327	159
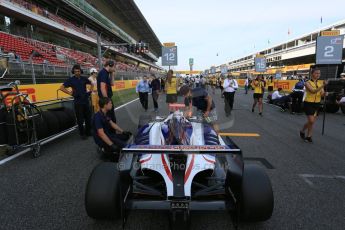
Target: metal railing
51	72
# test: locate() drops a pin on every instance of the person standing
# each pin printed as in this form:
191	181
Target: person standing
297	96
312	101
221	83
94	93
143	90
104	85
81	100
155	87
171	88
246	85
259	89
230	86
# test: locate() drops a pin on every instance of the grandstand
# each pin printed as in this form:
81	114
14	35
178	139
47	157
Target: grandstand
44	38
291	58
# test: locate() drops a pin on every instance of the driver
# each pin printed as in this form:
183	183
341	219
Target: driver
108	134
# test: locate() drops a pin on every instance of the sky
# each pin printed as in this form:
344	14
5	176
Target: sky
216	32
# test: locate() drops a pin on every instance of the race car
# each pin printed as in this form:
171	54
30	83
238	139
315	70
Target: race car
179	165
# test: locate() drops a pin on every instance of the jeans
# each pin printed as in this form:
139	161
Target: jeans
144	99
229	102
83	114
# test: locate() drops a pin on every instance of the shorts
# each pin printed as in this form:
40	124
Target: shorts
311	109
212	116
258	95
171	98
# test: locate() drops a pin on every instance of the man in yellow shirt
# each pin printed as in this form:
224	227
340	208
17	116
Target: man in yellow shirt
259	88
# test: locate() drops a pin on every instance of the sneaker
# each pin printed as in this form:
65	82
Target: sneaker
308	139
260	114
302	135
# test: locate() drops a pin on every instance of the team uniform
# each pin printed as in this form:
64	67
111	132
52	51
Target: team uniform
102	121
312	101
171	90
258	90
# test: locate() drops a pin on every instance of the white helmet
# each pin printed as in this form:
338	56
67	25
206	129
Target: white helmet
93	70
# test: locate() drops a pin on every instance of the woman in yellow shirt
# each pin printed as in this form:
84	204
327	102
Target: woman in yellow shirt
313	94
259	86
171	88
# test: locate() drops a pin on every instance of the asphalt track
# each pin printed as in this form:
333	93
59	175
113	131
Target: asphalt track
308	179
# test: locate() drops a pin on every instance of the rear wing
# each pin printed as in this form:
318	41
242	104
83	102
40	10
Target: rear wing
176	149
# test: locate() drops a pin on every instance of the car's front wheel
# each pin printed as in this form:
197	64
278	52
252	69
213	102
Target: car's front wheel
256	203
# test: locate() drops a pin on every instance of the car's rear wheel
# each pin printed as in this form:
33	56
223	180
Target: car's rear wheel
257	201
102	197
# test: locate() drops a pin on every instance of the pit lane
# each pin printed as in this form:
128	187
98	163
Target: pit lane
48	192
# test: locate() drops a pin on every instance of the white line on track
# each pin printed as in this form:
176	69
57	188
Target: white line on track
306	177
126	104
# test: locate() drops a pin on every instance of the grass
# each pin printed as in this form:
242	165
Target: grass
122	96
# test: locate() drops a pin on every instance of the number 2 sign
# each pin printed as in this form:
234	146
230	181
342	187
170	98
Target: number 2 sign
329	50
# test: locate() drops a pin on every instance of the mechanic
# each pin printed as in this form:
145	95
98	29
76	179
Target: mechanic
314	92
107	134
155	88
259	89
81	100
198	97
143	89
282	101
104	83
297	96
94	93
230	86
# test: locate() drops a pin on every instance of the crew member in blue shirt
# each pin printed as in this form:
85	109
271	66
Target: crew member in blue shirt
143	89
81	99
107	134
104	83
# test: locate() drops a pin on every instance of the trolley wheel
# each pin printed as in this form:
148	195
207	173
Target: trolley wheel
36	150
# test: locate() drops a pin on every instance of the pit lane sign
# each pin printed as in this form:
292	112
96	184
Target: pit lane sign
169	56
260	64
329	49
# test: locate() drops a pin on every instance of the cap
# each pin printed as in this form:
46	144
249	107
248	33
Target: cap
342	74
93	70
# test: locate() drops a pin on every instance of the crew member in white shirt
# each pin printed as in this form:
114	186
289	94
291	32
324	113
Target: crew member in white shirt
230	86
281	100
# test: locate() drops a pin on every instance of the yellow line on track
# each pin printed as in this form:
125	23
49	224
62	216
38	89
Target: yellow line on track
239	134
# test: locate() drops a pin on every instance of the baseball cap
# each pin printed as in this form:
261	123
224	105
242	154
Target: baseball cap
93	70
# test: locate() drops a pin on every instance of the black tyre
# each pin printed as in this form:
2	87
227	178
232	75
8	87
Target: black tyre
257	196
11	131
63	119
144	120
71	117
332	107
102	197
3	129
52	122
42	130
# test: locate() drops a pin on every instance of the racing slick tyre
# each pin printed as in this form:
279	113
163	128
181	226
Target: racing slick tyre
257	201
332	107
41	128
3	129
71	117
144	120
63	120
102	197
52	122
